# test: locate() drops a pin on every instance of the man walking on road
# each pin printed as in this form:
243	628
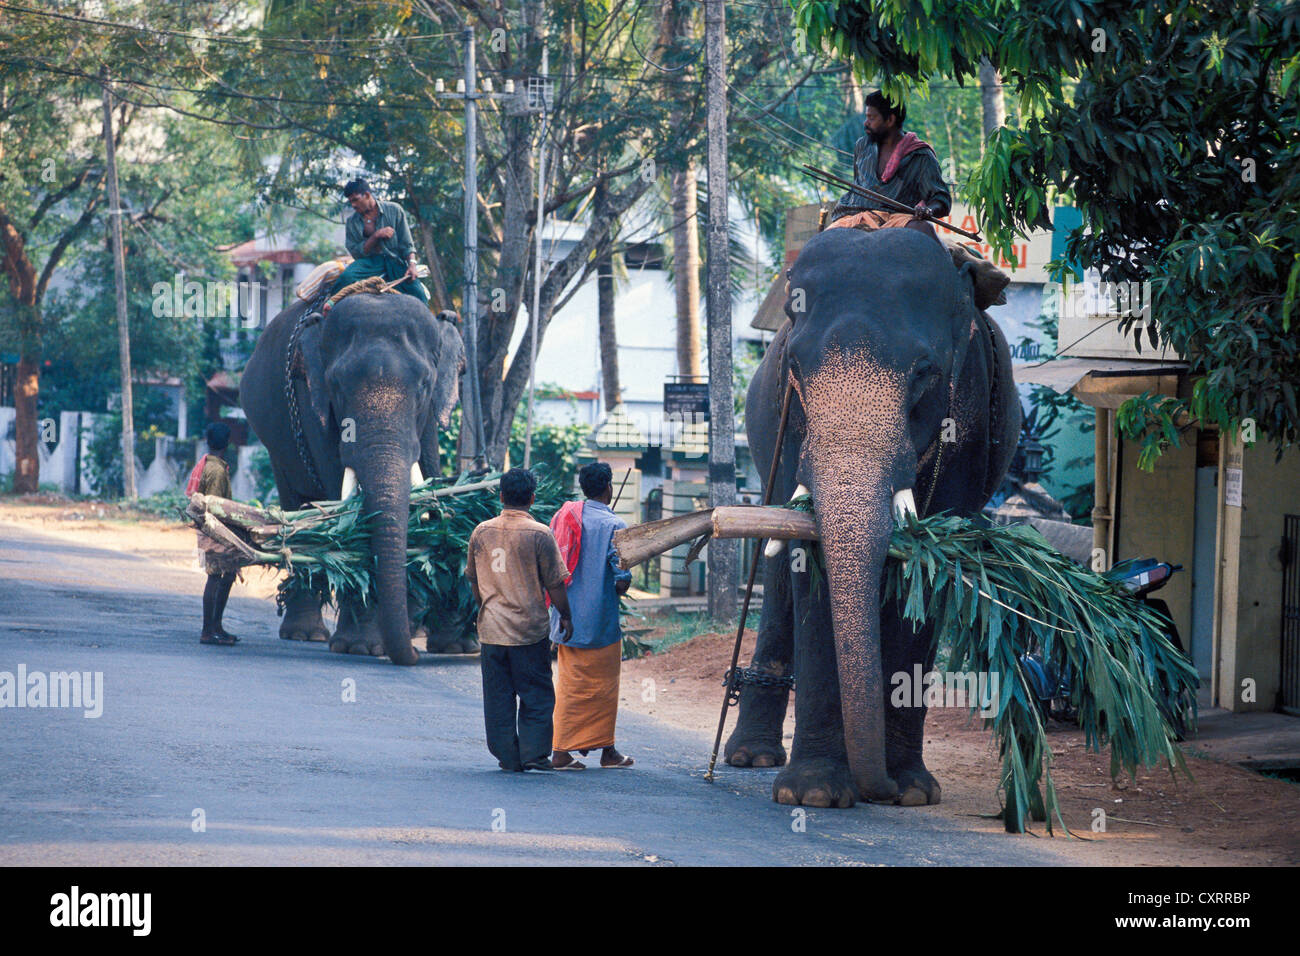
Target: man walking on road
591	656
513	561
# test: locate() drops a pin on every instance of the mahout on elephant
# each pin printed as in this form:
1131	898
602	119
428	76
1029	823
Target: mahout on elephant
901	397
356	396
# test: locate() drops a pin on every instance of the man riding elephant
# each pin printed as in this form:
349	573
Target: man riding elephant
379	241
904	168
895	164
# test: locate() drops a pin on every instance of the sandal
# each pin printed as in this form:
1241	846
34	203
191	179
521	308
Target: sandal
218	639
571	765
625	762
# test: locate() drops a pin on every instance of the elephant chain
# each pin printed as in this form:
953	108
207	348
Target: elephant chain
755	678
291	396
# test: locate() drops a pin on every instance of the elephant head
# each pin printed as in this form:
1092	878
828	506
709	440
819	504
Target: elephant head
391	374
880	325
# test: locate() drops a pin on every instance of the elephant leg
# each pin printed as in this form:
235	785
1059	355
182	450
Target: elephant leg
302	619
415	612
818	773
756	741
902	648
358	631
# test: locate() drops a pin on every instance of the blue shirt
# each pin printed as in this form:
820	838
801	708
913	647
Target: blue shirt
593	601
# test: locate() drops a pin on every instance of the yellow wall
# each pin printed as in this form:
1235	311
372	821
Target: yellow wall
1157	520
1252	598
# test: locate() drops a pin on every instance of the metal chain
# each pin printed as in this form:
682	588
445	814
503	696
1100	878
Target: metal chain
291	396
755	678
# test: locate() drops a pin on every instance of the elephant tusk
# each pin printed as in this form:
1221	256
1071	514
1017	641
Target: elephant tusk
777	545
904	503
417	477
349	484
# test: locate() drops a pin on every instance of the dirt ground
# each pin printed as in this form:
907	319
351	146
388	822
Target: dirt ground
1226	816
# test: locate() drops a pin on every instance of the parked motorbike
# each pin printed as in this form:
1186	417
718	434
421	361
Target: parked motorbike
1054	689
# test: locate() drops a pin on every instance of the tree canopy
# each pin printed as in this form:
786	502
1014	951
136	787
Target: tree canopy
1172	125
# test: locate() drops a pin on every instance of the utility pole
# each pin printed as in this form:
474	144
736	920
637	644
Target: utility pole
471	420
119	281
723	563
470	302
535	312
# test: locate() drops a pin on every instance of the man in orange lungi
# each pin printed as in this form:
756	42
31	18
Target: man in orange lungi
590	656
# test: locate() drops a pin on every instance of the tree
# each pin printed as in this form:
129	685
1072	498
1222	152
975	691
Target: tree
52	191
1172	125
623	111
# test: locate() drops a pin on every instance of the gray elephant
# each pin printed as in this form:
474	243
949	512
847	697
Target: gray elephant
902	398
356	397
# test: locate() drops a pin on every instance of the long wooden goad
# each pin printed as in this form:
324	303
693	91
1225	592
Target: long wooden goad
644	541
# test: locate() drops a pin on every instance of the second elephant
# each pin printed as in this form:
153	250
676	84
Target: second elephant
356	397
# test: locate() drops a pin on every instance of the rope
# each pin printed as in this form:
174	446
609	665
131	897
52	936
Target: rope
373	284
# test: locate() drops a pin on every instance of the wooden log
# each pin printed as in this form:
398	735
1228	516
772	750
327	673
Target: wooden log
223	508
643	541
462	489
213	528
752	521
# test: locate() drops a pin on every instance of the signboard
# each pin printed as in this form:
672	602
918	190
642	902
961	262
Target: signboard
1029	258
686	401
1232	487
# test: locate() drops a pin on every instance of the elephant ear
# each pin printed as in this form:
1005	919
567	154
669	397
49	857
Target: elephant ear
308	366
450	364
965	317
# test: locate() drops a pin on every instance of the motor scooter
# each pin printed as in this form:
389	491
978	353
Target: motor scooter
1054	688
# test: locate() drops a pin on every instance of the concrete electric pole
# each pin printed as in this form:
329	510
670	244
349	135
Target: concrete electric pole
723	564
472	454
119	282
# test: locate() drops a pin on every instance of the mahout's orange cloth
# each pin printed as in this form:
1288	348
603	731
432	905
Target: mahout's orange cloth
873	219
586	696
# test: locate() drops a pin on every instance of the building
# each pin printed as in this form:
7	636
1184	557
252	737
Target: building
1222	506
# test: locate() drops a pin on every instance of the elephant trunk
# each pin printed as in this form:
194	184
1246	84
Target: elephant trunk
854	521
385	479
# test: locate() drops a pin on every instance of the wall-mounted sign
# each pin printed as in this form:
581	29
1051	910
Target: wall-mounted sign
1232	487
686	401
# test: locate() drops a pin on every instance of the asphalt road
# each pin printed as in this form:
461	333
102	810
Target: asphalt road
259	739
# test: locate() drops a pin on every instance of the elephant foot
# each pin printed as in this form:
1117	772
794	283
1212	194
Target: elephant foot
754	753
815	782
453	643
916	786
304	628
358	637
756	741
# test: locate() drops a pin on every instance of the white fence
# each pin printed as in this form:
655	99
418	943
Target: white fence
66	465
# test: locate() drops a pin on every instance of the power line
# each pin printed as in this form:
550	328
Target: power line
211	37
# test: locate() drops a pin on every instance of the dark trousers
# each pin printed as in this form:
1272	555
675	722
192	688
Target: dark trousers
509	672
379	265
